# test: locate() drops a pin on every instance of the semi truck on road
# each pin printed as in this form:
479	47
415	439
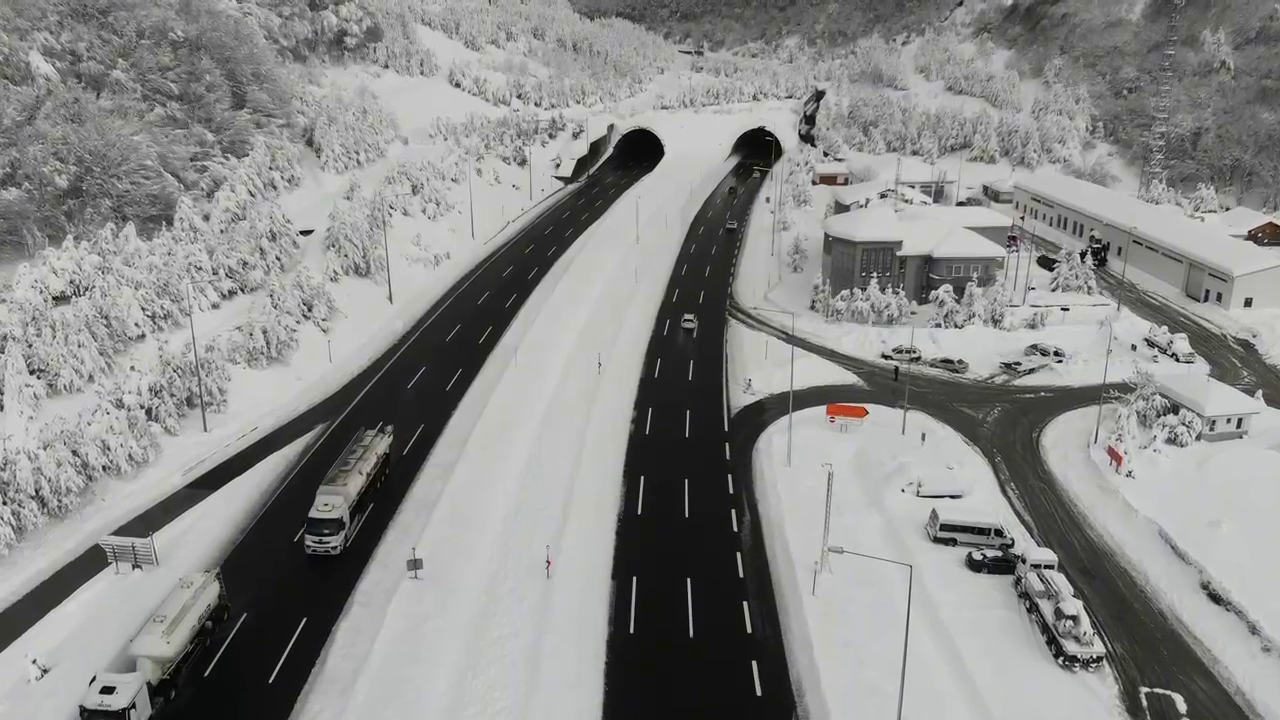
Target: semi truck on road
163	652
1051	602
343	499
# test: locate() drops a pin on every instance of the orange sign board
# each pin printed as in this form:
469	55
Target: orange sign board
841	412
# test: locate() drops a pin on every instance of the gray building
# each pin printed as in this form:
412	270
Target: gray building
916	249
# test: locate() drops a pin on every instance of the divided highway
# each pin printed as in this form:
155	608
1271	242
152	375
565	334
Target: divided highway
285	603
694	630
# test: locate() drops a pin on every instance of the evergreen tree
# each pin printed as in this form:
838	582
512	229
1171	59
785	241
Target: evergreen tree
1073	275
946	309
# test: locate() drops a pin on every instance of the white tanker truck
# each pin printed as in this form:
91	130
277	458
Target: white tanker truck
162	653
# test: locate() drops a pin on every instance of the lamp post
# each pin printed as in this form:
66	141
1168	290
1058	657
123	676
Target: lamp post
195	352
1124	270
386	251
1106	363
906	397
791	391
826	518
471	198
906	632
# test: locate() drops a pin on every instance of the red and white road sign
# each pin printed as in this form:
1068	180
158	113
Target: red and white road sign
844	414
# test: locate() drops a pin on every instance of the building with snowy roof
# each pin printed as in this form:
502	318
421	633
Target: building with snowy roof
1197	257
831	173
915	248
1249	224
1225	411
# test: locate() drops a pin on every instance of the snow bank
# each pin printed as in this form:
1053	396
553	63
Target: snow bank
973	652
1211	503
536	465
766	362
89	631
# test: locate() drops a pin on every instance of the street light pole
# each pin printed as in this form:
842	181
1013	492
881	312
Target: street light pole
906	397
791	389
1097	425
906	631
195	352
471	198
1125	270
826	518
386	250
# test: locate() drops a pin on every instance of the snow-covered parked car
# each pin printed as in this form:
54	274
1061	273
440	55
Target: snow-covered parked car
991	562
950	364
1052	352
1026	365
1175	345
902	353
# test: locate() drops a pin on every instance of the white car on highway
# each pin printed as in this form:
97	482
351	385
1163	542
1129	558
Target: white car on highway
689	321
731	226
902	353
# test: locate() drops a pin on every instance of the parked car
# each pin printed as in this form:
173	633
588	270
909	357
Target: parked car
1026	366
1048	262
991	562
1054	352
689	321
731	226
950	364
902	353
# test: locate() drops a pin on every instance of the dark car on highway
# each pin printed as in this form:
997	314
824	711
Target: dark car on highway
991	562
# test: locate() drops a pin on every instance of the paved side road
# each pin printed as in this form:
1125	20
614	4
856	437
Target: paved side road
1148	648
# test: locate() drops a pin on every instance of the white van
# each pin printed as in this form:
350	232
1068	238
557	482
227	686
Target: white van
952	528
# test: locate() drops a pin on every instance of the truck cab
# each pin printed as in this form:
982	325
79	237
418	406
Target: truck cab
1036	558
116	696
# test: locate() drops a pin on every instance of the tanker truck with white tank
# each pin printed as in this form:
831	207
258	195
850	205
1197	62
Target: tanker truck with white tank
162	653
343	499
1053	606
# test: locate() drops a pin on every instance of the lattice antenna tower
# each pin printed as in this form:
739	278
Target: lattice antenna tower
1153	166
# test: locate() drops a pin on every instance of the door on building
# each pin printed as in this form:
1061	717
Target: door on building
1206	295
1195	282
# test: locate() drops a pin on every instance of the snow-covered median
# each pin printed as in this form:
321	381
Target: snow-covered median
973	651
90	630
1215	504
761	365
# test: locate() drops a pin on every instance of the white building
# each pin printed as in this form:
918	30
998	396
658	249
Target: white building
1197	257
1225	411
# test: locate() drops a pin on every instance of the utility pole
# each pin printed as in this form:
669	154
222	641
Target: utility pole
1125	270
386	250
471	198
195	352
826	518
1097	425
906	397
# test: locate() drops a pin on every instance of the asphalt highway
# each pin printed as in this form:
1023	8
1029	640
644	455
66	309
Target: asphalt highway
694	630
284	602
1148	649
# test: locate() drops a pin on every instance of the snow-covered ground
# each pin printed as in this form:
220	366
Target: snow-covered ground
1213	503
1083	330
768	361
973	651
484	634
88	632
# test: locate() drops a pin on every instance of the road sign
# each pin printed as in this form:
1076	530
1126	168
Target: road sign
1117	459
843	414
137	552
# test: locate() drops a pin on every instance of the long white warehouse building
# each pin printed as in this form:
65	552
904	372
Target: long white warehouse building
1197	257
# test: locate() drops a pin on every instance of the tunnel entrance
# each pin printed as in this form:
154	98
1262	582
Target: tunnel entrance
758	145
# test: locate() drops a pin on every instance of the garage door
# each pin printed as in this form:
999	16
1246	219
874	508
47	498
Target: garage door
1157	264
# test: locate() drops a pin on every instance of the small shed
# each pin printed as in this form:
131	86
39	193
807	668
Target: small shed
1225	411
1000	191
831	173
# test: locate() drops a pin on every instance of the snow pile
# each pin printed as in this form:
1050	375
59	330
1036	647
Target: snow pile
490	636
760	366
1192	522
90	630
971	640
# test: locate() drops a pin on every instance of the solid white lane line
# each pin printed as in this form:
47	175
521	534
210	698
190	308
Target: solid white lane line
631	628
553	249
482	337
675	295
513	298
686	497
648	419
482	297
691	370
415	437
730	483
686	423
455	378
726	451
746	615
688	588
454	331
535	270
300	530
504	272
640	501
739	563
733	515
666	327
292	640
755	673
225	643
700	297
415	377
657	367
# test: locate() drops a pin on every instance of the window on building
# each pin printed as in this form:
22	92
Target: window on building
1217	297
1213	426
1017	205
902	267
1248	302
1239	423
957	270
975	271
1073	227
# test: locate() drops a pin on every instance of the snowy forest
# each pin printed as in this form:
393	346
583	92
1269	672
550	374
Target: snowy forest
144	148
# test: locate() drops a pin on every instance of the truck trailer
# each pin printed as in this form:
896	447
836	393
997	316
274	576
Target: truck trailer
162	653
343	499
1051	602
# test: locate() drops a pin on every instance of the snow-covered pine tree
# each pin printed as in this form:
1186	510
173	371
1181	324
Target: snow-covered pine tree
996	306
946	308
841	305
352	243
815	291
878	303
1073	275
973	308
1204	199
23	396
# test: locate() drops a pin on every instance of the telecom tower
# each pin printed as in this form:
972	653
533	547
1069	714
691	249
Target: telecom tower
1153	167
